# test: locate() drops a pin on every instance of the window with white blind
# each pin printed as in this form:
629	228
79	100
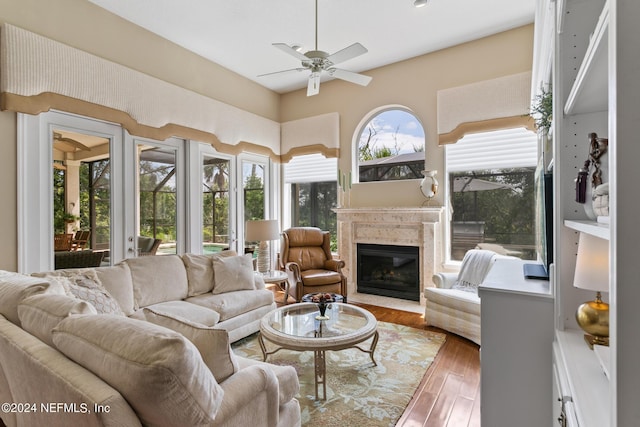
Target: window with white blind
311	181
492	192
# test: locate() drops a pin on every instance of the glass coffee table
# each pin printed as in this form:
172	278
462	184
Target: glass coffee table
295	327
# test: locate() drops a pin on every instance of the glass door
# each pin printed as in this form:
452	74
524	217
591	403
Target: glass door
157	197
216	207
81	197
70	186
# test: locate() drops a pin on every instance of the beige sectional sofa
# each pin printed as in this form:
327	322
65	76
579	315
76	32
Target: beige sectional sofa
145	342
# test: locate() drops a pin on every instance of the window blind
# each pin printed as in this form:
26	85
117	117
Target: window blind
311	168
509	148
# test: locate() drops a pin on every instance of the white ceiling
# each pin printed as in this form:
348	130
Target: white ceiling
237	34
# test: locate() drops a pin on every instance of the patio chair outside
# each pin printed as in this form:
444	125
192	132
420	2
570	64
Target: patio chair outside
80	240
62	242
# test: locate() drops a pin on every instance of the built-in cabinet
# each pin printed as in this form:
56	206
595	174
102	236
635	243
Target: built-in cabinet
596	64
515	359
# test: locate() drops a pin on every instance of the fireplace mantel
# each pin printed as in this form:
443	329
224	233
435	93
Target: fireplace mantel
402	226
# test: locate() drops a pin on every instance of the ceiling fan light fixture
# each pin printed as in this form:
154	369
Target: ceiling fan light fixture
317	61
420	3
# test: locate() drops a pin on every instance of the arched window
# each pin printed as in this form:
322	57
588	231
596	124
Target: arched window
390	146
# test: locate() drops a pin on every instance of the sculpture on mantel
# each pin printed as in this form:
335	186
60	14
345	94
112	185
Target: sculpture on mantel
429	184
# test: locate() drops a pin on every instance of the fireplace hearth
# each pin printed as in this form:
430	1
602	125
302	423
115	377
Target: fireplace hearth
389	270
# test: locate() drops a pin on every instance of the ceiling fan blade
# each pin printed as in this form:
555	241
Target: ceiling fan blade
347	53
350	76
291	51
283	71
313	88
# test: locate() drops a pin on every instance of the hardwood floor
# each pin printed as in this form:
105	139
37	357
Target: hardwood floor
449	394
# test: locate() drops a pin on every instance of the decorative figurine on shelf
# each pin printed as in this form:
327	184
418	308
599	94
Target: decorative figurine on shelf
581	183
324	301
594	196
597	148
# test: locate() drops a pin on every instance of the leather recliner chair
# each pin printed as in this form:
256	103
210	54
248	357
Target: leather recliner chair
306	253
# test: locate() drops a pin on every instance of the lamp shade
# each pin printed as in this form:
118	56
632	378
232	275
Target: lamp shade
262	230
592	264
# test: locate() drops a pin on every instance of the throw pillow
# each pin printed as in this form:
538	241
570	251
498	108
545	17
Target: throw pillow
83	283
200	271
213	344
233	274
14	287
117	281
39	314
158	371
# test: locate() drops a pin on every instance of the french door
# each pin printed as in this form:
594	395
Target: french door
69	179
80	174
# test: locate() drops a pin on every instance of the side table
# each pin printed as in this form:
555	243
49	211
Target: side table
278	278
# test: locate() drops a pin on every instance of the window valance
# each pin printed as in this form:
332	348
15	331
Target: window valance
38	74
317	134
484	106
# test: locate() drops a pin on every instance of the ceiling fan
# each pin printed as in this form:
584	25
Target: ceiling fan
318	61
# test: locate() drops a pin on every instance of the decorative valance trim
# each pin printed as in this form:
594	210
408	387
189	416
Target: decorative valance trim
38	74
317	134
481	104
50	101
486	126
310	149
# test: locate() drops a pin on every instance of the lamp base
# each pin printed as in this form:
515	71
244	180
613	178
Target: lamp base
263	264
593	318
592	340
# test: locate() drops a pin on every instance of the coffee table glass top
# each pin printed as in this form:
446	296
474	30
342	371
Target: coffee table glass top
297	325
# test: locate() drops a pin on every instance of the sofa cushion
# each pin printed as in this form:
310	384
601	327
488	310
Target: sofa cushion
39	314
183	309
315	277
233	274
213	344
83	283
117	281
158	371
232	304
158	279
38	373
15	287
461	300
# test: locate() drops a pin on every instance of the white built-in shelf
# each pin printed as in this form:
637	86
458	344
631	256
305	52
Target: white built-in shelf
589	93
587	381
590	227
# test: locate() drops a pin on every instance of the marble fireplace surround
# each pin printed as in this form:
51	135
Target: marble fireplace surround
401	226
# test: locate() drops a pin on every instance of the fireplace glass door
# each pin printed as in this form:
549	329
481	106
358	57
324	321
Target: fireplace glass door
391	271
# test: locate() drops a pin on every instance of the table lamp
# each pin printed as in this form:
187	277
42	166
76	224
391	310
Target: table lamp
592	273
263	231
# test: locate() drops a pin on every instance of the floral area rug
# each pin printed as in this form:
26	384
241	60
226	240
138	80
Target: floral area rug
359	393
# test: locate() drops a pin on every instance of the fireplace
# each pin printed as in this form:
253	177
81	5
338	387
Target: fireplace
389	270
